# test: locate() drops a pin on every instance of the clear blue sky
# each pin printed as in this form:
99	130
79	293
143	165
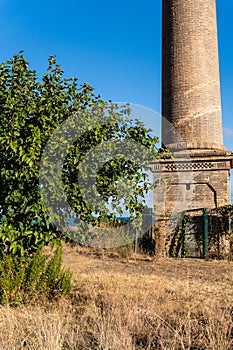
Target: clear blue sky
113	45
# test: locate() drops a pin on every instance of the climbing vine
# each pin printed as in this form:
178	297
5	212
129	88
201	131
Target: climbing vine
178	243
226	210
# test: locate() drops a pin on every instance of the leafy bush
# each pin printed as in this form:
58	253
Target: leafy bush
31	111
24	278
16	242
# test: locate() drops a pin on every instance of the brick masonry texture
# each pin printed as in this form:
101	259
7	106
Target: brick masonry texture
198	177
199	182
191	103
190	73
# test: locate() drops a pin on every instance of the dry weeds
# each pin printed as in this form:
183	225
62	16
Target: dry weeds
128	304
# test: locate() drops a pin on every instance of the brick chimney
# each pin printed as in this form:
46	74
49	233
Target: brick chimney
198	176
190	74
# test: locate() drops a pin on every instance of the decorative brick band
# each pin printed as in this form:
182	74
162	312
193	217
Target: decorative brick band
189	166
195	145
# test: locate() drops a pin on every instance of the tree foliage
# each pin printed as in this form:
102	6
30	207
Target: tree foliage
31	110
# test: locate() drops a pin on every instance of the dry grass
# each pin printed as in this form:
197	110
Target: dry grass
129	303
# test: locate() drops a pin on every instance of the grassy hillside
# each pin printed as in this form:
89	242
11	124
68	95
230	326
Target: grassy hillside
129	303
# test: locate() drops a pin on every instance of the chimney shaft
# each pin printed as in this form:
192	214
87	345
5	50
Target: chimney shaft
190	75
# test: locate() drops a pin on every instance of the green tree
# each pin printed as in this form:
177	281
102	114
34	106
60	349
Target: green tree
31	110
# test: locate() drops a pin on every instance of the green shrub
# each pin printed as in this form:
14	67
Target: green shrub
24	242
27	278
